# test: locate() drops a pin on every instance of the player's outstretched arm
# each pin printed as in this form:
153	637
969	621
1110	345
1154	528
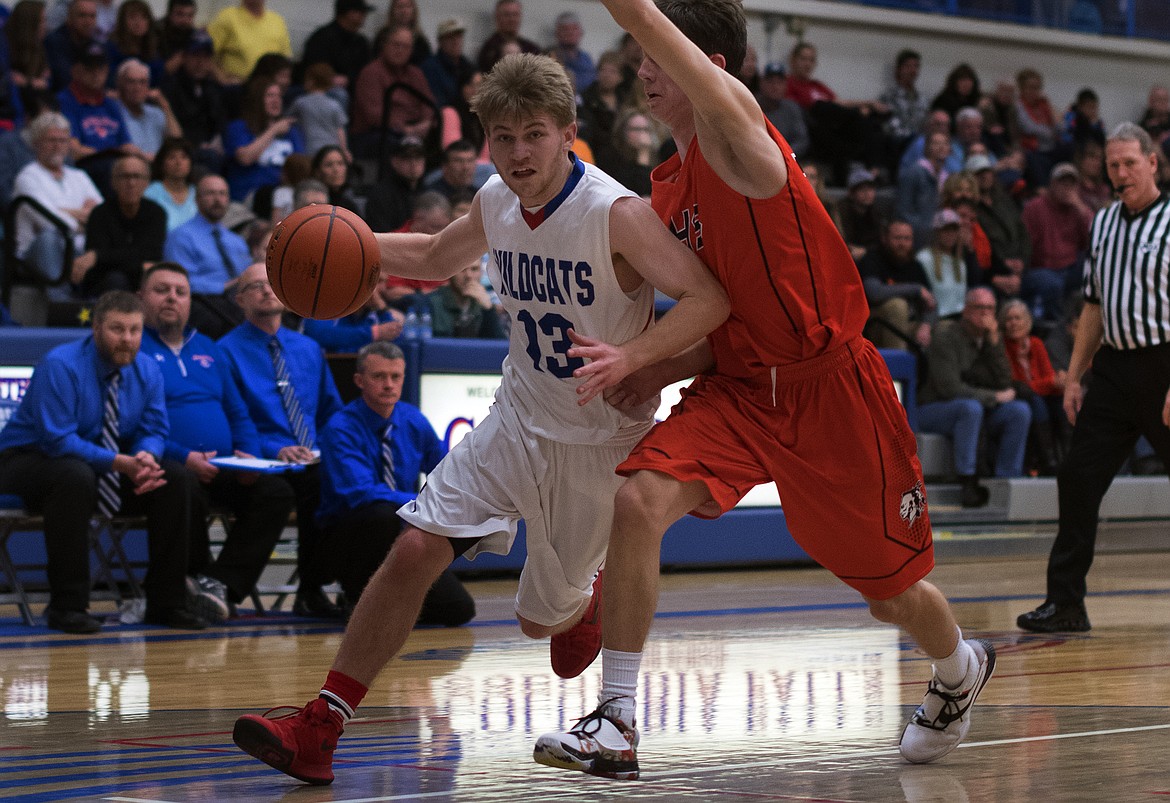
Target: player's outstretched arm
727	118
641	244
434	256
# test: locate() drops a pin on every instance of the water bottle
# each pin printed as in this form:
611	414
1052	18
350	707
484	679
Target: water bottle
410	326
426	327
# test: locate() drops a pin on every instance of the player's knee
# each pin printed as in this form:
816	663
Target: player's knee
423	553
637	507
890	611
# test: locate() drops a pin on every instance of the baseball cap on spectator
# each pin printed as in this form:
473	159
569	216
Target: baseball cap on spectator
1064	170
978	162
94	55
450	26
859	176
200	42
345	6
775	68
408	146
944	218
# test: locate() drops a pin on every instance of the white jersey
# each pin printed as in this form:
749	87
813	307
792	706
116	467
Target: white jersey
553	270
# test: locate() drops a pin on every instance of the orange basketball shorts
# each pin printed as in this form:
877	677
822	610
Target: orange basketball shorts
832	434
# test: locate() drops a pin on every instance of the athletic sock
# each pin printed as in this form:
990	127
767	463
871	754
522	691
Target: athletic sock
343	694
619	683
953	669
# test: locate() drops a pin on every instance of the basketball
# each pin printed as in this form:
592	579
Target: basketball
323	261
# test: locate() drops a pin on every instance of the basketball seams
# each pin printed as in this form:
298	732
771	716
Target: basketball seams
288	240
324	256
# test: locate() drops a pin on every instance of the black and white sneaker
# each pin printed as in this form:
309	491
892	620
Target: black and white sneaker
207	599
943	719
599	744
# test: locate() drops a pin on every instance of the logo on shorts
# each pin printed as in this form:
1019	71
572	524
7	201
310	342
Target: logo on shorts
913	504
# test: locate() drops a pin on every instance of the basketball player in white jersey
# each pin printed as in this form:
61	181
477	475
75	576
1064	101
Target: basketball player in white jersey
571	251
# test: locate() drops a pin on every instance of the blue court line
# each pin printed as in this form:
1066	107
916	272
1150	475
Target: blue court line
250	630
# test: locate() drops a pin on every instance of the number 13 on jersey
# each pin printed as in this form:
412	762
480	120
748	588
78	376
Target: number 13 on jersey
549	344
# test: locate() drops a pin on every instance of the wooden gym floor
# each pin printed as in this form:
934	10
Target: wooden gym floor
758	685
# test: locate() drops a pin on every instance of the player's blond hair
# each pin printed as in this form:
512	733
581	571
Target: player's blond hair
522	86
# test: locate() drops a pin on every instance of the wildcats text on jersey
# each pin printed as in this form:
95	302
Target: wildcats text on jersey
548	280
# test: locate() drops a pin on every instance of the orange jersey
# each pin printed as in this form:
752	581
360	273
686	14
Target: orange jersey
794	288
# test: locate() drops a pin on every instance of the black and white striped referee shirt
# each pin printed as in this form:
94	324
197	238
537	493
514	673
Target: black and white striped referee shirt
1128	274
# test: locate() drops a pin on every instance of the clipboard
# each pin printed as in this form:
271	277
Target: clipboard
255	464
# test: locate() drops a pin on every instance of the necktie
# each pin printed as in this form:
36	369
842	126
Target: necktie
288	396
388	459
229	266
109	484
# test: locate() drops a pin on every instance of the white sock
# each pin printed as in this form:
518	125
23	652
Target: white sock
952	669
619	682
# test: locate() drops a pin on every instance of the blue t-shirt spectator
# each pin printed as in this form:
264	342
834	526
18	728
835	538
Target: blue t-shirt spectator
100	126
245	179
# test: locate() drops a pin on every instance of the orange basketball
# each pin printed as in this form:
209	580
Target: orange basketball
323	261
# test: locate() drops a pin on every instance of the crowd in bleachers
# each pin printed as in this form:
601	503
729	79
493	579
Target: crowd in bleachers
144	140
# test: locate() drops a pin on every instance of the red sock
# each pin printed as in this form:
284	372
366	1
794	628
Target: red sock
343	694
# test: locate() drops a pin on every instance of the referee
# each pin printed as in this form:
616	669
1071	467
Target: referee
1124	333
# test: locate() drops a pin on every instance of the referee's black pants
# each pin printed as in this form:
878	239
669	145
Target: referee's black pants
362	538
1123	402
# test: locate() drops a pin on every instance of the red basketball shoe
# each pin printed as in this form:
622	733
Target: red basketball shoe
575	649
300	743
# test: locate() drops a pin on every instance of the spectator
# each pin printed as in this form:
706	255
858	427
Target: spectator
134	37
937	122
65	191
172	188
319	116
1058	227
331	167
404	14
94	413
290	394
460	122
341	43
411	112
123	235
175	32
991	267
1001	118
147	112
430	214
901	306
258	143
197	100
1156	118
601	101
273	202
374	321
960	90
813	173
907	106
244	33
208	418
508	15
781	111
1039	131
372	453
968	139
464	308
1094	190
66	44
968	386
213	255
447	68
389	202
749	70
842	131
950	267
857	213
1001	221
1035	382
633	153
918	187
28	61
457	173
1082	122
567	50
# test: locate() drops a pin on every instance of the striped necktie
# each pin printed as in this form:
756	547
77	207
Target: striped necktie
388	459
228	265
109	485
288	396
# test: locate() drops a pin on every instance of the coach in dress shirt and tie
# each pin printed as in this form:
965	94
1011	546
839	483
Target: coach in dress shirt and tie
213	255
290	393
88	439
372	455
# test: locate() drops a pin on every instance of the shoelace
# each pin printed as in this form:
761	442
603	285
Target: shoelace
595	718
949	712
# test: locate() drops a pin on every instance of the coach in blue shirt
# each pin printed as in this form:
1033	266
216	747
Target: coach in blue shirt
213	256
209	418
54	454
372	454
374	321
290	393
